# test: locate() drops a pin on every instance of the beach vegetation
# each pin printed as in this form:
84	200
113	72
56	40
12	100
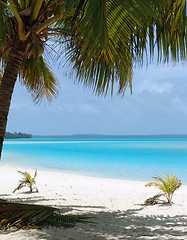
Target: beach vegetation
153	200
28	216
27	181
102	41
168	185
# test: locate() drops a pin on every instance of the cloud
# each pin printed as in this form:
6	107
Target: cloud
180	105
159	79
155	86
88	109
157	105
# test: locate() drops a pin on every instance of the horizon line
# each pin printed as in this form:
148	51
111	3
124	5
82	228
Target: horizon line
112	135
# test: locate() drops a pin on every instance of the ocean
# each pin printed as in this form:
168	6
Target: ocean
133	159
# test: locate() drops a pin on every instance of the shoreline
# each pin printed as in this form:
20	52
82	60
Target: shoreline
74	173
69	173
137	161
115	206
81	173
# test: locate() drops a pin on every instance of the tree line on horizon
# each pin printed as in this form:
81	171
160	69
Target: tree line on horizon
9	135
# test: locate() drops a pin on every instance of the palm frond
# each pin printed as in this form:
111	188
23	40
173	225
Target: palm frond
39	79
153	200
1	75
97	54
25	216
110	37
106	38
171	32
6	26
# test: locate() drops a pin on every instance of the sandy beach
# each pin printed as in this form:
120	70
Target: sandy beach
114	205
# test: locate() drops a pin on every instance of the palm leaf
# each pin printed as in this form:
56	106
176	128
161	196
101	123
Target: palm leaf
97	54
1	74
34	216
110	37
6	25
39	79
171	32
35	174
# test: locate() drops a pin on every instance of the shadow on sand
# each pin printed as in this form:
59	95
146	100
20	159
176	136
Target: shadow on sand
111	225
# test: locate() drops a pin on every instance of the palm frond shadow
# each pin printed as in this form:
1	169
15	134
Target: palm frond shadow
120	225
40	199
129	224
27	216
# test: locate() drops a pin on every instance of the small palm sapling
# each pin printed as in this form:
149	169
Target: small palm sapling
27	181
167	184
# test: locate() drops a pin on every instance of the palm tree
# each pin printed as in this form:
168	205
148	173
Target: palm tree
24	34
102	40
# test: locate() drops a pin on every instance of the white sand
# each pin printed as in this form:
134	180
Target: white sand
115	206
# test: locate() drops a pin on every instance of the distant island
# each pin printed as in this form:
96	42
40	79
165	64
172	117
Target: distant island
99	136
9	135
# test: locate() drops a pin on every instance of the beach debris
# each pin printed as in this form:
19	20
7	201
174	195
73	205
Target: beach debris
168	185
29	216
27	181
153	200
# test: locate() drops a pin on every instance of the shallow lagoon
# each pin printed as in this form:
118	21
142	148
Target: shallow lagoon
137	159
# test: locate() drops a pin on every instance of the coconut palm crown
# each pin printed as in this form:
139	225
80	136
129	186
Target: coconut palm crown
102	40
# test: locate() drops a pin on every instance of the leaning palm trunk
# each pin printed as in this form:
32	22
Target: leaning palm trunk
7	85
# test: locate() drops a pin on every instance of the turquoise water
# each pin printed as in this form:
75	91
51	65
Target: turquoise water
138	159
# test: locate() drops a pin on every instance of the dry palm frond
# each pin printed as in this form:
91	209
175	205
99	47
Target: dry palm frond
152	200
26	216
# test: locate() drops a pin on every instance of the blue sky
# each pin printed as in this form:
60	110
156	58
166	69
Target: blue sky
158	105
